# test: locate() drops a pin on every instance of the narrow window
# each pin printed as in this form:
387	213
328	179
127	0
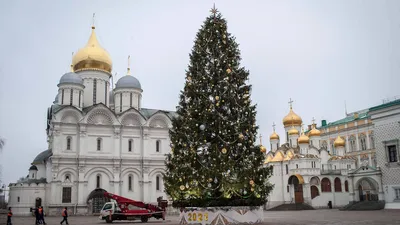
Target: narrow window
371	141
98	181
62	96
68	143
130	183
346	186
290	142
392	153
98	144
157	183
94	91
66	195
338	185
130	145
131	100
397	193
71	97
120	102
80	92
287	169
288	188
311	143
297	166
105	93
33	175
158	146
18	199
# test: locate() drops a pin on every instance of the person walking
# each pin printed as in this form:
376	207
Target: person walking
9	216
37	216
41	215
65	216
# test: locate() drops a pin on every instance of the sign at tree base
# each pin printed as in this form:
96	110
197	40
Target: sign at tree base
222	215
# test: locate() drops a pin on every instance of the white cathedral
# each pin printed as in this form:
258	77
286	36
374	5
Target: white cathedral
100	139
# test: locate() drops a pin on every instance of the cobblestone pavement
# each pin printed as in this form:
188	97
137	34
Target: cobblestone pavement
309	217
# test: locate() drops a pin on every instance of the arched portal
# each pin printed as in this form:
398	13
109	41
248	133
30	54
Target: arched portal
38	202
367	189
96	200
314	191
297	181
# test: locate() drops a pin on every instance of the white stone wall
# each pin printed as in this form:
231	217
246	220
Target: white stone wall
126	99
387	132
102	80
23	197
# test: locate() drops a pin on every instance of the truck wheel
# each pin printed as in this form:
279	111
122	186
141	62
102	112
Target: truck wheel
108	220
144	219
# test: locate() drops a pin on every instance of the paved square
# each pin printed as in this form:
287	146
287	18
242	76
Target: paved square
309	217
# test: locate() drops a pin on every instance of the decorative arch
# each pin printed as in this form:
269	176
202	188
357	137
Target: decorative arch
132	117
65	171
367	189
68	114
99	170
338	185
156	171
315	181
326	185
352	141
159	120
96	200
131	170
101	115
296	179
363	141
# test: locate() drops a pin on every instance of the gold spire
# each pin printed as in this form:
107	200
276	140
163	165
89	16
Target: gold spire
129	66
303	139
274	135
314	132
292	118
92	56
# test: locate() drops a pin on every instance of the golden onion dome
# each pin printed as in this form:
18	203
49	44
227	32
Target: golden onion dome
339	142
274	136
263	149
314	132
293	131
304	139
292	119
92	56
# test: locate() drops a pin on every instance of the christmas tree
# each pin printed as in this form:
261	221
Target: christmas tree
214	160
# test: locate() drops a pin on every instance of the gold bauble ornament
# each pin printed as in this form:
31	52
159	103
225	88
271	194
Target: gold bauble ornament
251	182
228	71
217	97
210	179
182	187
252	189
241	136
217	104
224	150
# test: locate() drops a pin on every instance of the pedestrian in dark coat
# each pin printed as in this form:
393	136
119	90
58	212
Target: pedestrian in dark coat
9	216
37	216
64	214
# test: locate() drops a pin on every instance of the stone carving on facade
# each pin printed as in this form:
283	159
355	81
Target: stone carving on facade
116	169
81	169
100	117
116	134
83	133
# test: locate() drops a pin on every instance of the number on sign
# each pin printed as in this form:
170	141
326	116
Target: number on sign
197	217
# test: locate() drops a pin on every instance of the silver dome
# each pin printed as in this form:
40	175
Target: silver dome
128	82
71	78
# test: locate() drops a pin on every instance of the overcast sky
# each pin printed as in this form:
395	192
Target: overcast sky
319	53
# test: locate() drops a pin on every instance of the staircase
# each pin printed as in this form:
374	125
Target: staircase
292	207
364	206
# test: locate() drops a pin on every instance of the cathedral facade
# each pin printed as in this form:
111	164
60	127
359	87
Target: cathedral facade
324	164
100	138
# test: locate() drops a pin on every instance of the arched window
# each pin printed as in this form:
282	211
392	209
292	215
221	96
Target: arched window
363	142
326	185
99	143
67	179
338	185
287	169
314	192
130	145
157	183
352	144
98	181
372	141
346	186
130	183
69	140
158	145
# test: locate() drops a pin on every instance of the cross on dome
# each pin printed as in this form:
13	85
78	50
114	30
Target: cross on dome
273	126
290	102
129	66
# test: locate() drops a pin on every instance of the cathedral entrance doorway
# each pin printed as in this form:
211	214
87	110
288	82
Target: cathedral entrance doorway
96	200
38	202
297	181
367	189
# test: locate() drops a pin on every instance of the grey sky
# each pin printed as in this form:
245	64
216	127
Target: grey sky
319	53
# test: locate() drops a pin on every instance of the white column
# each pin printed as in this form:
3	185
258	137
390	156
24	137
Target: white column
347	144
368	143
357	143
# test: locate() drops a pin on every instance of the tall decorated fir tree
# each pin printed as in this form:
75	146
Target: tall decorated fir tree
214	159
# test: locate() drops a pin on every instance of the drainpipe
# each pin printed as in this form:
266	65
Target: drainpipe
283	192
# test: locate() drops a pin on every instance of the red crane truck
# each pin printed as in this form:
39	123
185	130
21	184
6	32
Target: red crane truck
121	209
